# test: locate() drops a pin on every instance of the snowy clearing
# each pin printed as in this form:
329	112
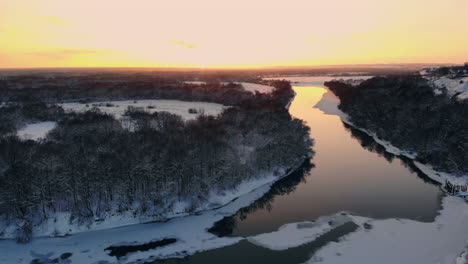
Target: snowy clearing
117	108
36	131
255	87
89	247
404	241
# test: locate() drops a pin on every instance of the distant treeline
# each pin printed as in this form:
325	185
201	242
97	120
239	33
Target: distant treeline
91	166
405	111
96	88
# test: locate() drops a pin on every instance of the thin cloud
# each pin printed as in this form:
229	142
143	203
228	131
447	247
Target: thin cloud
183	44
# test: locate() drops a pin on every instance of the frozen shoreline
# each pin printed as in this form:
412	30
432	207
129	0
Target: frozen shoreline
403	241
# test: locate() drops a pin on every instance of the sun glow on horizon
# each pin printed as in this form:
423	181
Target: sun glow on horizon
213	34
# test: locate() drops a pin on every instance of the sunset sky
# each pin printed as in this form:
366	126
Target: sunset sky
230	34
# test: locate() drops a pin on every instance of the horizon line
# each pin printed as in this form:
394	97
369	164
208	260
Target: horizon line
235	68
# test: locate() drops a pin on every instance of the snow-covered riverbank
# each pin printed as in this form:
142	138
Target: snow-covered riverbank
89	247
331	106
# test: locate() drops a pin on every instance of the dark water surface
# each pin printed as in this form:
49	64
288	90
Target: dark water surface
349	172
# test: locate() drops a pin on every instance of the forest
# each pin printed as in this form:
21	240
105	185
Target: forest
405	111
91	167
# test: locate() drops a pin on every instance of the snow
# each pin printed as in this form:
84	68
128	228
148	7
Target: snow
255	87
404	241
296	234
455	83
462	258
117	108
36	131
453	86
195	82
89	247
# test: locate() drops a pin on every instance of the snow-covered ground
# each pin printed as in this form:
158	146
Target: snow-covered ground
190	232
36	131
458	86
117	108
255	87
295	234
454	85
404	241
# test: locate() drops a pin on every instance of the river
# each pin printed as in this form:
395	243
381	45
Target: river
349	172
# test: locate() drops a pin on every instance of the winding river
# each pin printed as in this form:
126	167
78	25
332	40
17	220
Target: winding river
349	172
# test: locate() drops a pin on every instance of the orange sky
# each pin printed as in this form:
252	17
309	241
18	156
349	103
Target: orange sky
241	33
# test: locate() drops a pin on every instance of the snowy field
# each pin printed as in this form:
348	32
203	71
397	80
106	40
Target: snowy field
117	108
36	131
255	87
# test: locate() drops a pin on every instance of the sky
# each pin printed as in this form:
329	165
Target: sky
230	34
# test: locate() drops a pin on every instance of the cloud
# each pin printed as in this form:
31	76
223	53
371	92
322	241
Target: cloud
183	44
53	20
66	53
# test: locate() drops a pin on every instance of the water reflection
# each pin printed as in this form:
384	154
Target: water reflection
367	142
284	186
349	175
